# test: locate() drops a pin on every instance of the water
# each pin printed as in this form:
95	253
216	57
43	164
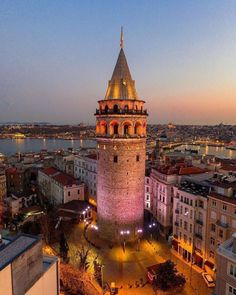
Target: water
220	152
11	146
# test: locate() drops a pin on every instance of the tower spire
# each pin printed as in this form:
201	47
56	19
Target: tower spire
121	38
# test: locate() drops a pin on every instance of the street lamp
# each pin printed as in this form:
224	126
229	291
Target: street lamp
152	225
139	231
123	233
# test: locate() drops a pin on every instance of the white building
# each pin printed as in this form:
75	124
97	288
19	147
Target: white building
85	169
24	270
190	221
65	163
159	197
159	191
59	187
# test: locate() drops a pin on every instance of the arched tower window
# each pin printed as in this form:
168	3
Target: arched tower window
103	128
115	129
138	129
106	109
126	129
126	108
115	108
97	128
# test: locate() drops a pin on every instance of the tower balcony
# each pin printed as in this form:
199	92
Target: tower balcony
121	112
120	136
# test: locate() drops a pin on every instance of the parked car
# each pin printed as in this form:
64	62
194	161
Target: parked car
208	280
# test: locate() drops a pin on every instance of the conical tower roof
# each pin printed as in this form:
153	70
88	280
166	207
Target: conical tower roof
121	85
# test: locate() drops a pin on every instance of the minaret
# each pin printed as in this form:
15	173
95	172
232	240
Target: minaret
121	148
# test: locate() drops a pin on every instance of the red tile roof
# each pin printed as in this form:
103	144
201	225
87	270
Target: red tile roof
60	177
50	171
191	170
229	167
65	179
180	169
230	200
92	156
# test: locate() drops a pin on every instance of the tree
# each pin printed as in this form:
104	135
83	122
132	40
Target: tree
83	255
64	248
167	277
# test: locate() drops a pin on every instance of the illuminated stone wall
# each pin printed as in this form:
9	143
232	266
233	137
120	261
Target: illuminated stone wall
120	187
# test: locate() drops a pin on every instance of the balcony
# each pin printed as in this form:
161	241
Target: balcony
123	112
222	224
176	211
198	236
199	221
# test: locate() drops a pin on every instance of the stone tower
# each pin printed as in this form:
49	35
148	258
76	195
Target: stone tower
121	148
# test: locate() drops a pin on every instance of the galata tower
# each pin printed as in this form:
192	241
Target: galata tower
121	151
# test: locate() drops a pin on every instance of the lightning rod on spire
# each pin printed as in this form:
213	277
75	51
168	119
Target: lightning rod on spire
121	38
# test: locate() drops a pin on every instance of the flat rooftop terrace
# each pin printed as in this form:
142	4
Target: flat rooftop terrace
11	249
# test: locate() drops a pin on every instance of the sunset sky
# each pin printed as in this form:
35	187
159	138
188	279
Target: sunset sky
56	58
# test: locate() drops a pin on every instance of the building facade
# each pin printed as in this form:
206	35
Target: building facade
221	223
161	194
59	187
226	268
121	149
85	169
190	222
3	192
24	270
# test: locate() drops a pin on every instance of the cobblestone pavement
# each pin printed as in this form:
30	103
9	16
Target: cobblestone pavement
126	268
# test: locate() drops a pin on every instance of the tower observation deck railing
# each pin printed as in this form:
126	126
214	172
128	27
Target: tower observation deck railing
117	136
121	112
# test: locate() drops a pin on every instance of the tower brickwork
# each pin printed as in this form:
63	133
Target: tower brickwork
121	148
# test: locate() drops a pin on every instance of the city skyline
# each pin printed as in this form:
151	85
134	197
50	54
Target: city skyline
56	59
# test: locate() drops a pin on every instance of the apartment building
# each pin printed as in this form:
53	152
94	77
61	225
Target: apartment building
159	197
24	270
59	187
65	163
190	221
221	215
159	189
85	169
226	268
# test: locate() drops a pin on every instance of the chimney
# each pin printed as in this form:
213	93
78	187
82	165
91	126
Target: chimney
234	243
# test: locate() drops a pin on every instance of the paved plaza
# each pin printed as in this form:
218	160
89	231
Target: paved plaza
126	267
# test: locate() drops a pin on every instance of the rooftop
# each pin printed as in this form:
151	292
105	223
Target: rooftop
180	169
92	156
226	249
121	85
194	188
231	200
74	206
61	177
14	248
